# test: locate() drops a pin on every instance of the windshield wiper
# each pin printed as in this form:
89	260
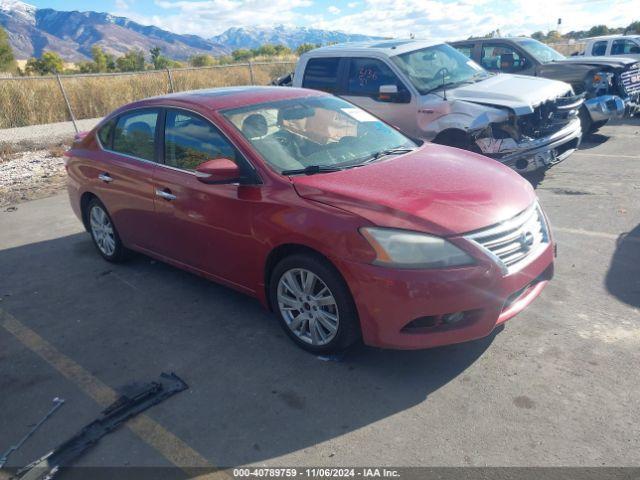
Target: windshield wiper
383	153
311	170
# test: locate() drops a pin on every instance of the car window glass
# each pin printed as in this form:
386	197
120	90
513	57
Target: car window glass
465	50
366	75
104	134
190	140
622	47
135	134
321	74
599	48
502	58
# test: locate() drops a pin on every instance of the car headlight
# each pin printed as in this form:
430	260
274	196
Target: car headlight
406	249
601	80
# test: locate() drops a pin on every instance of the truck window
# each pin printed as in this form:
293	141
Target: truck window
321	74
624	47
501	58
464	49
367	74
599	48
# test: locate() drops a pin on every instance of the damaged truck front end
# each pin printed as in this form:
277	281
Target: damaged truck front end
536	140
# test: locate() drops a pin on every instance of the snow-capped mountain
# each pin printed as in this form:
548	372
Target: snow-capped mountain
72	34
292	37
34	30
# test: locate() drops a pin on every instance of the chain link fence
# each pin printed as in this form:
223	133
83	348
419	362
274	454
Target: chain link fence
28	101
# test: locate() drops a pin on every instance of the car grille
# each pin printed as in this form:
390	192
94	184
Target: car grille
514	240
631	80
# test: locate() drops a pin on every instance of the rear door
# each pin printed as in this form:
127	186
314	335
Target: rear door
122	176
207	227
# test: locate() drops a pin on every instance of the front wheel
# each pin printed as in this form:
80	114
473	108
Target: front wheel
314	304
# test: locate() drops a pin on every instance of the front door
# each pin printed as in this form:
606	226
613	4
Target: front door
207	227
503	58
364	78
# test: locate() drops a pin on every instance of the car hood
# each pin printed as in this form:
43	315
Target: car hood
435	189
520	93
614	62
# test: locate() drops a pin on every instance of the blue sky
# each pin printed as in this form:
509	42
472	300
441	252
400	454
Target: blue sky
437	19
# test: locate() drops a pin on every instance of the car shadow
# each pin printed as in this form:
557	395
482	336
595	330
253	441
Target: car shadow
623	276
253	394
535	178
593	140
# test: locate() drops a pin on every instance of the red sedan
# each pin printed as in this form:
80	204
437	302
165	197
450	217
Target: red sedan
337	222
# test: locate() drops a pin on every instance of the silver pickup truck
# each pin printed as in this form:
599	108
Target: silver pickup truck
433	92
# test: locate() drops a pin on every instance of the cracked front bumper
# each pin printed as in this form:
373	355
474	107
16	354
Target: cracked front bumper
604	107
546	151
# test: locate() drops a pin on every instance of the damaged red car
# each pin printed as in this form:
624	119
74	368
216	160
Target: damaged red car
337	222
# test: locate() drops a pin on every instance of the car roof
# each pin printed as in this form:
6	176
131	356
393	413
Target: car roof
226	97
387	47
608	37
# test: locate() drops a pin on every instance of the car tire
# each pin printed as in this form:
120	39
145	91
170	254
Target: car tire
317	306
103	232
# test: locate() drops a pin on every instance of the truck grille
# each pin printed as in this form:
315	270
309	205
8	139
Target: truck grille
631	80
516	239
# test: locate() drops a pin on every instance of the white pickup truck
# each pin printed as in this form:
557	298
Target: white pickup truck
613	45
432	92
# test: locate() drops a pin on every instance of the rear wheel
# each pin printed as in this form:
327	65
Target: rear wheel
103	232
314	304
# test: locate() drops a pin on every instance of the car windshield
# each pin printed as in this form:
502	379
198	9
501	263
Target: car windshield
322	131
540	51
441	65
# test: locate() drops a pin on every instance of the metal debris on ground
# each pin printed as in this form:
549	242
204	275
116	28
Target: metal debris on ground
134	400
57	403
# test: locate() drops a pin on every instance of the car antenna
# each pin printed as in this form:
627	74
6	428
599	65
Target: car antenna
444	88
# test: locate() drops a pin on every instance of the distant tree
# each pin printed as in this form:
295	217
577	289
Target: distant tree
598	30
553	36
202	60
634	27
7	60
266	50
282	50
242	54
539	35
132	61
305	47
158	60
105	62
48	63
86	67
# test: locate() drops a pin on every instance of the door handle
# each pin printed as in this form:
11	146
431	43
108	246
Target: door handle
166	194
105	178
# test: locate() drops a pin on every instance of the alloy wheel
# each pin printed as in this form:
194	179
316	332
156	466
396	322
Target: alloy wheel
308	307
102	230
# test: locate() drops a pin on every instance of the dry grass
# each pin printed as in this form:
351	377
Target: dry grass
39	100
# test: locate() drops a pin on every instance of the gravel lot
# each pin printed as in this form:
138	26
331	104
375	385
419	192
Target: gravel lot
30	175
558	386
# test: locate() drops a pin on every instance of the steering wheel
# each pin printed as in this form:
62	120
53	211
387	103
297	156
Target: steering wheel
287	140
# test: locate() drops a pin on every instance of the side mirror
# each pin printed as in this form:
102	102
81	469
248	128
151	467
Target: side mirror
390	93
218	170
